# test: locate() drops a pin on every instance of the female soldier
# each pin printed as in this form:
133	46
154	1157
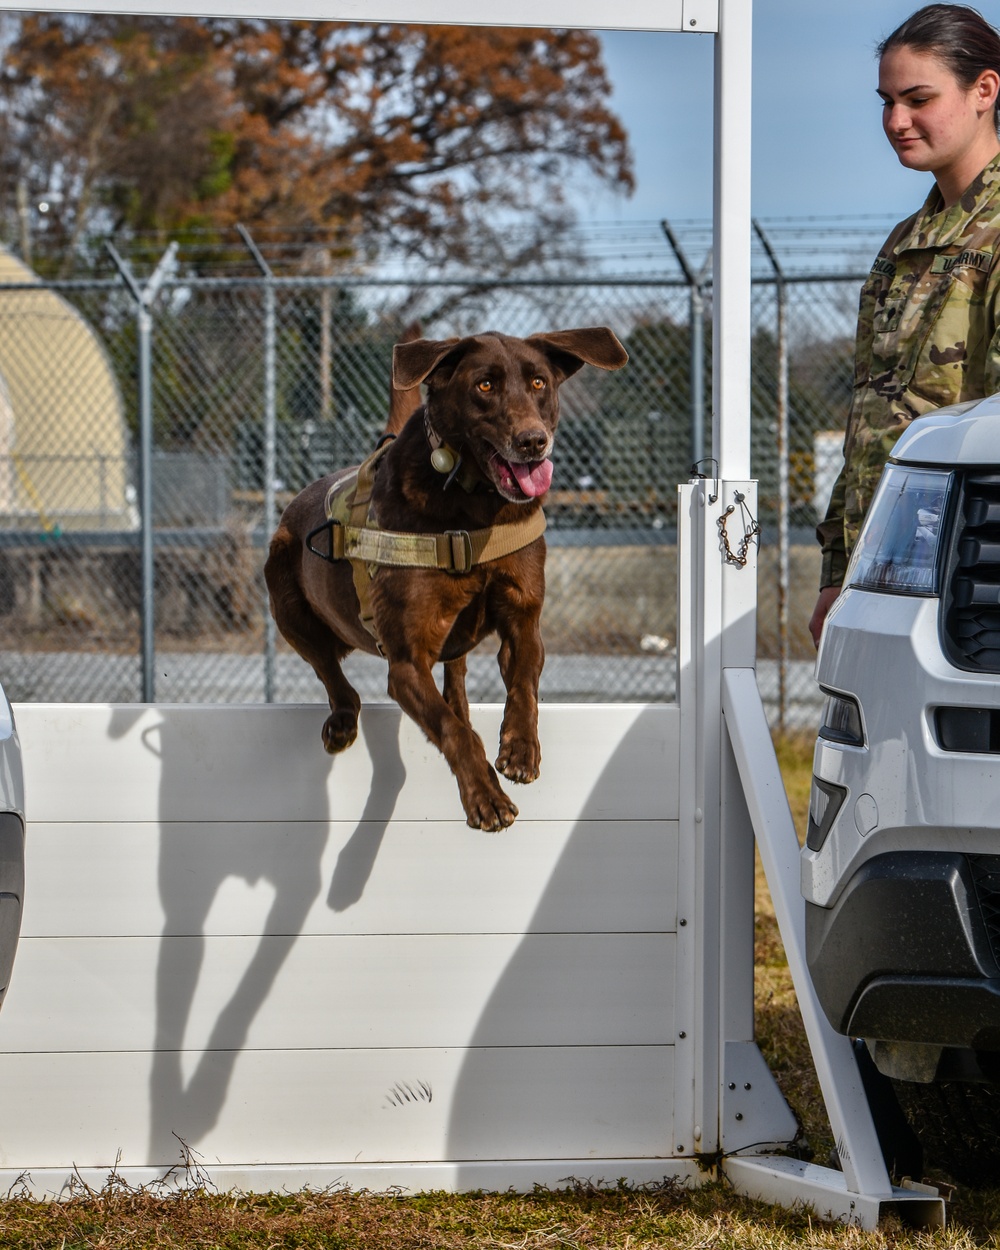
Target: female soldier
929	323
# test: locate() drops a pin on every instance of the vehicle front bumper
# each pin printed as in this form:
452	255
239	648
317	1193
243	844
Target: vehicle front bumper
899	939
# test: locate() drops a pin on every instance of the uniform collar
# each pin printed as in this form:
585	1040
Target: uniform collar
936	226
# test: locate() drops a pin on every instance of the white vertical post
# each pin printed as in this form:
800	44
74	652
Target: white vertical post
704	609
728	577
698	1055
731	246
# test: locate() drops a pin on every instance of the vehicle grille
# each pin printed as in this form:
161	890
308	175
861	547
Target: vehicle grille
972	609
986	878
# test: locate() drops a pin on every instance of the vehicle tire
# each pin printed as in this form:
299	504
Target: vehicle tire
958	1124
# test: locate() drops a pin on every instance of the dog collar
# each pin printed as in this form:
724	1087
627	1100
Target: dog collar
351	533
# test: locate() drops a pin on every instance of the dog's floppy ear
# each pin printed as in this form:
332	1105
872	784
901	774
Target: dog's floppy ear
413	362
569	350
403	404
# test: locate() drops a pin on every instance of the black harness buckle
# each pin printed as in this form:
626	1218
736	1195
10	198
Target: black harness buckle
334	532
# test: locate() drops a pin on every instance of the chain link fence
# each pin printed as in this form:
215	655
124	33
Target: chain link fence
252	387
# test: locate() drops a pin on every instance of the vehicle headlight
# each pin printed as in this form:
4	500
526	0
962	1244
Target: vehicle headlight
899	544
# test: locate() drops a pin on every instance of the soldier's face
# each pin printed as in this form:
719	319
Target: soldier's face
932	121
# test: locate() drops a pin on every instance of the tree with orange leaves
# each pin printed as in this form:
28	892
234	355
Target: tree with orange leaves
426	140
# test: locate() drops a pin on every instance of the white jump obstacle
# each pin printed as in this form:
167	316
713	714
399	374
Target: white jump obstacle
312	973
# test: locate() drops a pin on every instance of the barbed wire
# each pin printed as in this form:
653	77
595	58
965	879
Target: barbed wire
834	245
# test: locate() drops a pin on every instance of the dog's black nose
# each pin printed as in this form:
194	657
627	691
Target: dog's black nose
532	443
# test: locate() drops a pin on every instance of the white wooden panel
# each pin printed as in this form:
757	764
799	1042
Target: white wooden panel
146	879
630	15
89	994
259	762
315	1106
283	958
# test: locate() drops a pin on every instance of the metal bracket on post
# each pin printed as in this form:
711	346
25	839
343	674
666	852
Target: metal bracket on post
753	1114
144	297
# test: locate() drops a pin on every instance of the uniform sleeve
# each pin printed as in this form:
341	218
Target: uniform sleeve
830	533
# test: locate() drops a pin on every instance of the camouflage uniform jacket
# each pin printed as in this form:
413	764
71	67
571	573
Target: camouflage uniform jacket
928	335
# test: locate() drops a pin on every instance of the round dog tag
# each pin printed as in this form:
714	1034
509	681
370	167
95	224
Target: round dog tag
442	460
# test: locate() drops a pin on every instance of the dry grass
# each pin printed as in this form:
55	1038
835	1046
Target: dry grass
582	1216
586	1217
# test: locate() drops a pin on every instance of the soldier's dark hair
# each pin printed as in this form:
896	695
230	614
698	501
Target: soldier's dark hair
959	36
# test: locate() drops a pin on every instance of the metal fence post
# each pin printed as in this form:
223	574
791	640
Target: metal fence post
696	342
144	297
697	374
781	297
270	445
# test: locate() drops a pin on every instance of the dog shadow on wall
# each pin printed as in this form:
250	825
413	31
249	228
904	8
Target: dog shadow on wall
201	866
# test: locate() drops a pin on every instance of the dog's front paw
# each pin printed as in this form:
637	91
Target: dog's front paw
487	807
520	761
339	731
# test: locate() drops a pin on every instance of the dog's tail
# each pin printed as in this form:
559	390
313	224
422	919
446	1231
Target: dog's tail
403	404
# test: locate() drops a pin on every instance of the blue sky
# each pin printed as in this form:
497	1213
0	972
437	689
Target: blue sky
818	147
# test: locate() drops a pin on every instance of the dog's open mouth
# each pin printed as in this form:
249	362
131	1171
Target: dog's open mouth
519	480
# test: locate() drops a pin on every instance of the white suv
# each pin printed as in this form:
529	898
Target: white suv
901	868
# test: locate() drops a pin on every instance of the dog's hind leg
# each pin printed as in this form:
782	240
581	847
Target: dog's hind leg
341	727
313	640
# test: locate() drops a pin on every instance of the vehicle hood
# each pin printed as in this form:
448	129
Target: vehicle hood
962	434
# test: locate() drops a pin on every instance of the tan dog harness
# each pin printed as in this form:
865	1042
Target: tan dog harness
355	536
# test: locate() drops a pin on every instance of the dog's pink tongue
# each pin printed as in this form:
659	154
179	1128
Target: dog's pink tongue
533	479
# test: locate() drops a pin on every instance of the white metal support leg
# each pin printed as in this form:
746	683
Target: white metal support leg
858	1193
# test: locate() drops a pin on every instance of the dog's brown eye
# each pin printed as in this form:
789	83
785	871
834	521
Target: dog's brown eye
538	384
485	386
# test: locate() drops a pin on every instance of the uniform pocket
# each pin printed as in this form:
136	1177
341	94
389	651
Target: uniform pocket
904	326
949	364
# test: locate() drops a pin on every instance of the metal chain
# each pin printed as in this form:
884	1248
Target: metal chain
752	530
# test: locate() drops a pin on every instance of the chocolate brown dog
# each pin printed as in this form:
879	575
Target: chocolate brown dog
448	548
